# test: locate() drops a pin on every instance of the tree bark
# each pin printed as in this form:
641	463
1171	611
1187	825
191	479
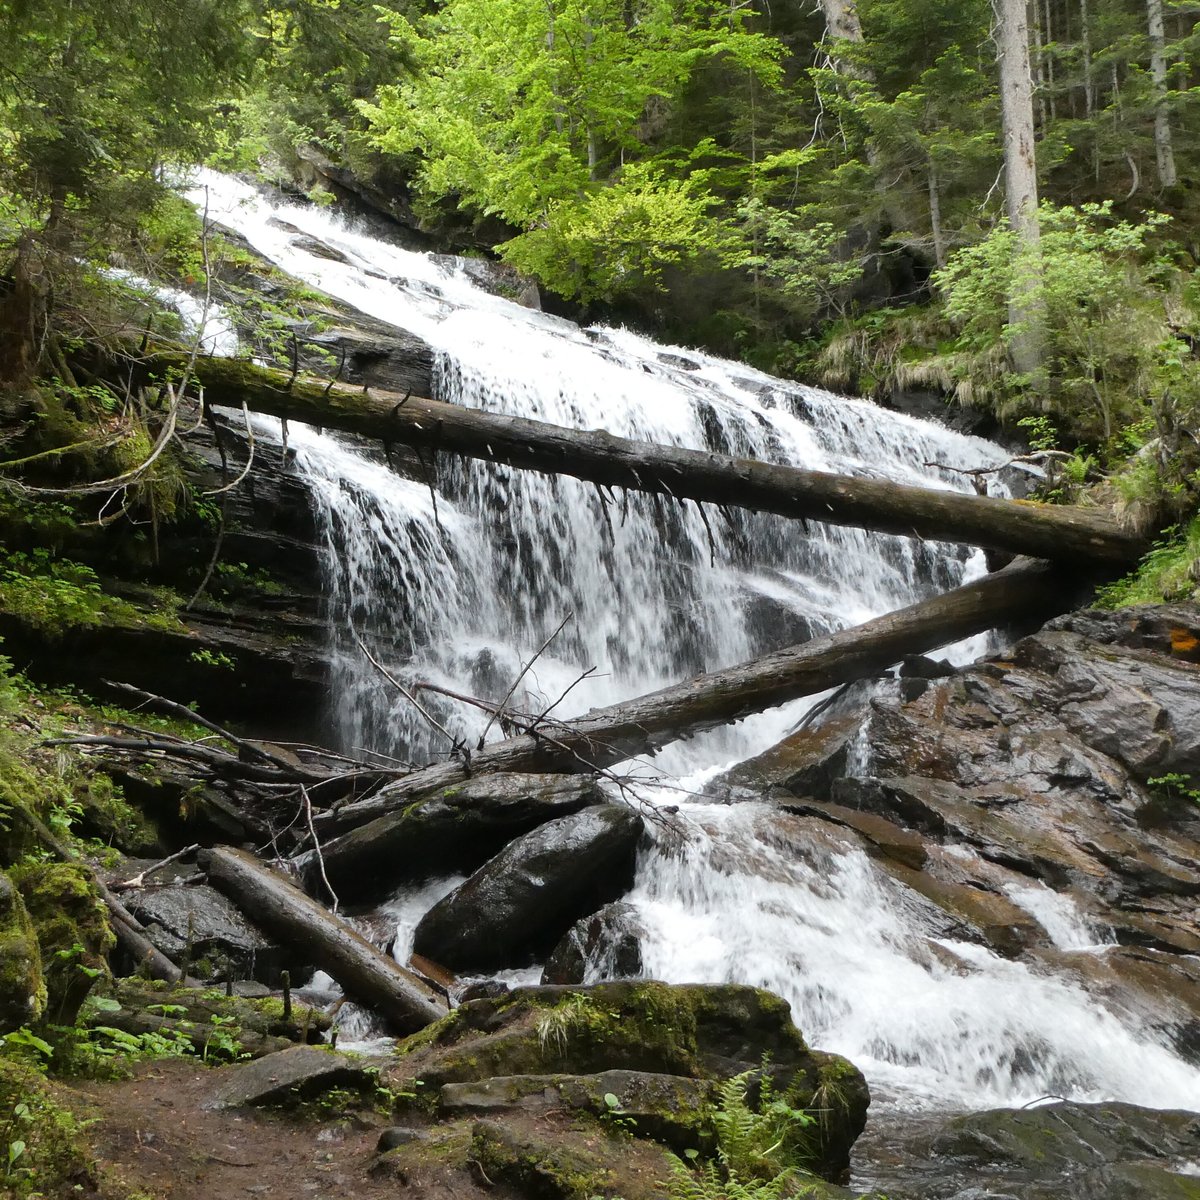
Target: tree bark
1164	151
371	828
1020	181
1043	531
364	972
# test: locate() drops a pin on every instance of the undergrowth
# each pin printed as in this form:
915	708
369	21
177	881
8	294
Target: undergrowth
1170	572
760	1152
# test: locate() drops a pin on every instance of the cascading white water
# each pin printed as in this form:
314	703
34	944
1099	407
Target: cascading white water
459	590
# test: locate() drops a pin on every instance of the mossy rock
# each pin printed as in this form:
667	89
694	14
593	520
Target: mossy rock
697	1031
110	818
72	930
569	1164
665	1108
22	990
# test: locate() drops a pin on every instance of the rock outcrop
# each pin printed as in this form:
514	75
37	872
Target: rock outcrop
1063	765
650	1054
526	897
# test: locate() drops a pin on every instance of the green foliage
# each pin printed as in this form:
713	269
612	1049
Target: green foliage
1098	287
1170	571
42	1150
1175	786
620	239
55	594
214	659
760	1150
538	114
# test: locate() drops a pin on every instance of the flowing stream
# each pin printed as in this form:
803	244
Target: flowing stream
460	590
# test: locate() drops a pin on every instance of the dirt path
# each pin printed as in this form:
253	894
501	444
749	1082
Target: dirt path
155	1130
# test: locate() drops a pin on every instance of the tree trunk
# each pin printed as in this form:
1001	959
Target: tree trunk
364	972
1164	152
842	24
1043	531
603	737
1020	181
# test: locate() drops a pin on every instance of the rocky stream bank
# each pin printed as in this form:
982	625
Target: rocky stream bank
1064	765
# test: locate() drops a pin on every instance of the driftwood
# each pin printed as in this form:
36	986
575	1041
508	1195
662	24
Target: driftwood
1044	531
278	906
359	835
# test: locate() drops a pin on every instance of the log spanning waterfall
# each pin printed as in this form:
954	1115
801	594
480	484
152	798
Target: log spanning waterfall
461	586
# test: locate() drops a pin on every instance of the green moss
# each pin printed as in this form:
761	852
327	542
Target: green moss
541	1170
22	988
110	818
54	1157
56	594
72	930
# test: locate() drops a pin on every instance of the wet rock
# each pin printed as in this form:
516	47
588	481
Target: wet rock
1099	1151
884	837
1172	630
223	944
288	1077
697	1031
606	945
805	763
316	247
358	349
499	278
529	894
450	830
22	992
1141	709
919	666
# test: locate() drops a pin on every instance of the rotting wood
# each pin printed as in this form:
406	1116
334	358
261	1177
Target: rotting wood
1038	530
358	837
364	972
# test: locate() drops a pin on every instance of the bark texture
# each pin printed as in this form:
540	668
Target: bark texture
1042	531
363	971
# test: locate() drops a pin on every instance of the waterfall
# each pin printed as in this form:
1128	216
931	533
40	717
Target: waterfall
459	587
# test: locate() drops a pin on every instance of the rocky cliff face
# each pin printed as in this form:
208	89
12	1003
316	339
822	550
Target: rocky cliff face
1069	763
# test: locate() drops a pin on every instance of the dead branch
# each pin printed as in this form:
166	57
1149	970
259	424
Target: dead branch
498	715
139	880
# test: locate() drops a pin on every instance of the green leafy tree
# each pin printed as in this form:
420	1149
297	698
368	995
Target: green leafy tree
530	111
94	99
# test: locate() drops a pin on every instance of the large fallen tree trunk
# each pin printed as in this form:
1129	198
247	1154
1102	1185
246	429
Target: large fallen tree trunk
402	998
1043	531
370	828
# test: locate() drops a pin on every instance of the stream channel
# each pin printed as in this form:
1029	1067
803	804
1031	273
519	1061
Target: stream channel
461	590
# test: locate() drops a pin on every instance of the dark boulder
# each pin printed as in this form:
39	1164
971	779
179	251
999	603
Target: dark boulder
528	895
607	945
223	944
449	830
1105	1151
289	1077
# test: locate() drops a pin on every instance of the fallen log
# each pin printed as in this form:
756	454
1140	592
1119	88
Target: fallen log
365	833
368	974
1044	531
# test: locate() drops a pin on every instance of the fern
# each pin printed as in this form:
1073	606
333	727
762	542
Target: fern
756	1150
